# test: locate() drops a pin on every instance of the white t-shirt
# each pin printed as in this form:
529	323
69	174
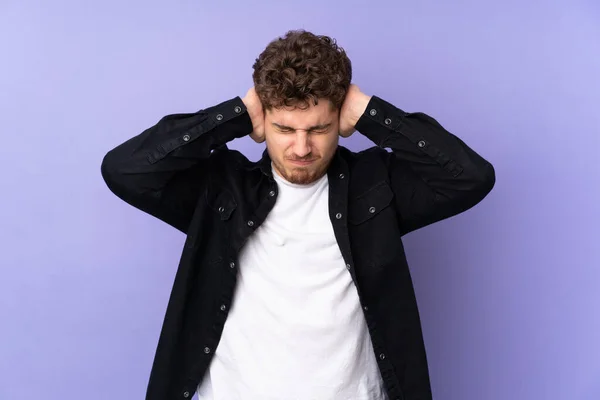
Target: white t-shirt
295	329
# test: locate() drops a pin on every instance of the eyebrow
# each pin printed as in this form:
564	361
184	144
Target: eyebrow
312	128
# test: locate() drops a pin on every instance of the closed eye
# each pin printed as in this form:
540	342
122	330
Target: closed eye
319	129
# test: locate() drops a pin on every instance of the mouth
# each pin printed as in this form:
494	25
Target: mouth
302	162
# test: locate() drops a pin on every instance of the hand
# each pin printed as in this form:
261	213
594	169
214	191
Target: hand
353	108
255	110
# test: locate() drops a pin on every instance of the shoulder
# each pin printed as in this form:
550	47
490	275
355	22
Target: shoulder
226	158
371	155
367	167
232	169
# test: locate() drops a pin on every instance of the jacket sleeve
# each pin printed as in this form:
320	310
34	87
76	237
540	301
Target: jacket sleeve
434	175
164	170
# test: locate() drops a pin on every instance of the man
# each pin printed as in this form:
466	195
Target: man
293	283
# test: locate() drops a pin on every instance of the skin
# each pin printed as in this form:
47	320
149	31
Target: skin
302	142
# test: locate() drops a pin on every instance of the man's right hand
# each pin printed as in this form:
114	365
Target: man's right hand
255	110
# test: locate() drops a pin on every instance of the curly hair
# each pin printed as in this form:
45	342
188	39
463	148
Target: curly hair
301	68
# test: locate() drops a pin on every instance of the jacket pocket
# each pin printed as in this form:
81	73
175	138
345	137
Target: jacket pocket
222	203
370	203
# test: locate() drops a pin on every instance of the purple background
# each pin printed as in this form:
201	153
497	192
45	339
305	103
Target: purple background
508	291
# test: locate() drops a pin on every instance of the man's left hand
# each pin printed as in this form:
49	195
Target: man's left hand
353	108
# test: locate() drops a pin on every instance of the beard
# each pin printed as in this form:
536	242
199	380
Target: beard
301	175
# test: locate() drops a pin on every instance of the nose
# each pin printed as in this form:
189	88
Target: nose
301	144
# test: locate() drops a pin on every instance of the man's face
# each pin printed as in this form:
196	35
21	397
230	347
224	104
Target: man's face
301	143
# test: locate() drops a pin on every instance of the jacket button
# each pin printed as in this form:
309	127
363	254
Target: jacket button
186	138
372	210
186	394
223	307
348	266
207	350
221	209
272	193
219	117
421	143
338	216
232	265
373	112
250	223
387	121
237	109
382	356
341	176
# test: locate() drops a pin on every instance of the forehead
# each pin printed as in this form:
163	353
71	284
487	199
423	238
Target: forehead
303	118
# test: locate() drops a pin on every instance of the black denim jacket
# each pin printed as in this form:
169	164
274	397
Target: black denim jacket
181	172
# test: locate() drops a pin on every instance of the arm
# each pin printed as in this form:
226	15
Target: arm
434	174
163	170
